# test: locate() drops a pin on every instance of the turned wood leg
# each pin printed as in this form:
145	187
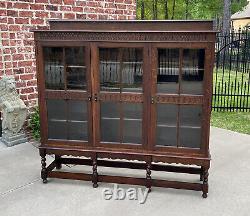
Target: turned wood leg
95	173
58	162
44	173
205	183
148	177
201	174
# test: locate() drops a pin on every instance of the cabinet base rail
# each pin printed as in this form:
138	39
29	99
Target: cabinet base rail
49	172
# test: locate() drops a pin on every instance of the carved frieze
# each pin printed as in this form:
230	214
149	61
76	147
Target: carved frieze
123	36
67	95
124	97
176	99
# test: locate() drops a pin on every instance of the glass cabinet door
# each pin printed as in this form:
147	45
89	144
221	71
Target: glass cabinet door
177	93
67	90
121	95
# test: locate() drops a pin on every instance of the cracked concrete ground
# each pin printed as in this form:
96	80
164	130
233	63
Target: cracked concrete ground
23	194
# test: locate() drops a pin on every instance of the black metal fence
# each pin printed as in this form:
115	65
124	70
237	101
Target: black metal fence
232	71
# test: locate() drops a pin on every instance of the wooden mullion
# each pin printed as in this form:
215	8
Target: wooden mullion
154	94
95	83
120	59
179	89
87	60
65	89
64	69
146	67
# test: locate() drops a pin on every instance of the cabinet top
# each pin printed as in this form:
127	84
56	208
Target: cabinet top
131	25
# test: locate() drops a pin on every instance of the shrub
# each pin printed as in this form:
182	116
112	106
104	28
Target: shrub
34	124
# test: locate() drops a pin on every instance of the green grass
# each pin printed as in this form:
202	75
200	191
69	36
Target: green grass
226	77
235	121
240	87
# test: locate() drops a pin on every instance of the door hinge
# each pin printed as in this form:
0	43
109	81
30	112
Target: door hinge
90	98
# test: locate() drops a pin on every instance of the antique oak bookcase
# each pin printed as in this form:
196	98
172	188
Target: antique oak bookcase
133	90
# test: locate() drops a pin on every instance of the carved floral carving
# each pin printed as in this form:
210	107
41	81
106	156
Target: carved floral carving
176	99
124	97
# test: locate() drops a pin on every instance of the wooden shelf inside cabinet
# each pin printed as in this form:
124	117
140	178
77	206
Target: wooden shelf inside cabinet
142	94
166	125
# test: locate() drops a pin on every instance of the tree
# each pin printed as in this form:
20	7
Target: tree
166	9
226	21
186	12
187	9
174	3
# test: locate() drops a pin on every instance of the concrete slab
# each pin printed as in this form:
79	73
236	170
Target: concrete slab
229	192
2	146
19	166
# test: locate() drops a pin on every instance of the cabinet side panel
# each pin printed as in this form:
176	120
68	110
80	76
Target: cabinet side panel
209	64
41	92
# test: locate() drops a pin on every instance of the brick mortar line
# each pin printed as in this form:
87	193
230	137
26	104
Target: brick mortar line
32	12
2	49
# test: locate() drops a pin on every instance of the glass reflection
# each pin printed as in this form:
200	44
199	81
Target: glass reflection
76	77
190	115
190	126
168	71
132	129
121	122
75	56
193	71
67	120
166	129
121	69
75	68
53	68
110	122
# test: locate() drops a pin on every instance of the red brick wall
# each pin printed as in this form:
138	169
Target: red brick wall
16	42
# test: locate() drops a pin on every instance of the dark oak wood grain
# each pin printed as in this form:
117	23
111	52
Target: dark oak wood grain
149	36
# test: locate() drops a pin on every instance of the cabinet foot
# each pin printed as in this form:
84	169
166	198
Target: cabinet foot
148	177
95	173
205	183
95	185
44	173
204	195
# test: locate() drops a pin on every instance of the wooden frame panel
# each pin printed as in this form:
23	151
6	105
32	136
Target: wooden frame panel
121	97
181	99
63	94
